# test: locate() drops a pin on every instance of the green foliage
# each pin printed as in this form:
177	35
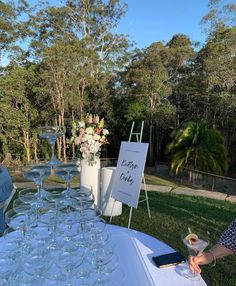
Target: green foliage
76	64
220	16
197	146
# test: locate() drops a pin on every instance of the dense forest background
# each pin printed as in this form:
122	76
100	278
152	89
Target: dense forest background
66	61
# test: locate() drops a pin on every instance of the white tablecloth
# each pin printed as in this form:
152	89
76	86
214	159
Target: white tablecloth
135	250
6	188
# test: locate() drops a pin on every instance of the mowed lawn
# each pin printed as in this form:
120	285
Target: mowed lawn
172	215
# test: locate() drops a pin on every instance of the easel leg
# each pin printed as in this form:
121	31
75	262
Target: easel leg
146	195
112	211
130	215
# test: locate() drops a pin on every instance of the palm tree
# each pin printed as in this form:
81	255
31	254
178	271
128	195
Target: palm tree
198	147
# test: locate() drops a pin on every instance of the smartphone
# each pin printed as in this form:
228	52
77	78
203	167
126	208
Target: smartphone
169	259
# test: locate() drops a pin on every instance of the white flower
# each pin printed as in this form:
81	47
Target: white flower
91	141
96	137
81	124
77	140
105	131
88	137
89	130
95	148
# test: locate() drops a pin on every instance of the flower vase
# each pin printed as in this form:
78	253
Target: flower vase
90	176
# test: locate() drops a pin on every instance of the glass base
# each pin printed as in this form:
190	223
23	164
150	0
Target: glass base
184	270
68	193
42	194
54	161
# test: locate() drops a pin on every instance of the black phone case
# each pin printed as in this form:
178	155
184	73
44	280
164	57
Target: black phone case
169	259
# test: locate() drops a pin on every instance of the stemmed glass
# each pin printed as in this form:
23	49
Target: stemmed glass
51	220
196	244
113	275
37	263
21	220
37	174
10	258
67	171
69	261
8	271
52	133
100	256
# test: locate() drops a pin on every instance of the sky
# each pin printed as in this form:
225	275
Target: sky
149	21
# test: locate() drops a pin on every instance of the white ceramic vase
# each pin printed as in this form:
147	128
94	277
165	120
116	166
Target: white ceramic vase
90	176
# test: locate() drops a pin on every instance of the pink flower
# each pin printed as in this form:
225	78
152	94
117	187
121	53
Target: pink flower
95	119
90	118
81	131
77	140
98	131
91	135
84	149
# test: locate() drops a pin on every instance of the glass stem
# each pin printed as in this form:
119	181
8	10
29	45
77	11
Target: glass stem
38	190
53	150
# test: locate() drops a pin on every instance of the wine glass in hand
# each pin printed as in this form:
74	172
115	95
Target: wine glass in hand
196	245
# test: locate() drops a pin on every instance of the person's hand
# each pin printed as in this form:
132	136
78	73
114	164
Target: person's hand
194	264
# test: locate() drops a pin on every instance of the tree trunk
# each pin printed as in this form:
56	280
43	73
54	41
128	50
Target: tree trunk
27	145
36	159
63	137
151	143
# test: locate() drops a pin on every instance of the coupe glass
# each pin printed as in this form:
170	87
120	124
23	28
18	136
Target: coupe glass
36	264
52	133
51	220
20	221
100	257
67	171
196	244
114	277
37	174
8	271
28	196
69	262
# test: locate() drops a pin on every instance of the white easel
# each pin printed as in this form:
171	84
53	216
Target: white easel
138	136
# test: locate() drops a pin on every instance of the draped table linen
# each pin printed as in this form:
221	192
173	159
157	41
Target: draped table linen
137	260
6	189
135	251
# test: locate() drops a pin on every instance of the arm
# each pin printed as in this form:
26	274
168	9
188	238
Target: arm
217	251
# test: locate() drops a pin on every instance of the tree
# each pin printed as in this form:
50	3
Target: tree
196	146
215	69
151	76
12	27
90	24
219	17
80	54
17	113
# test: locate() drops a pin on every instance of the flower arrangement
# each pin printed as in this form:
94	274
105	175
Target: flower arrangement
89	135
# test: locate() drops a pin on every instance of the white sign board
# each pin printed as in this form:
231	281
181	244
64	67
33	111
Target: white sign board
128	176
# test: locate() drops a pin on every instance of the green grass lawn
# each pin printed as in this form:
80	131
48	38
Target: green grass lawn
173	214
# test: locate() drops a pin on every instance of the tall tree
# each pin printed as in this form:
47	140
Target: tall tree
151	77
196	146
80	53
220	16
17	112
12	25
